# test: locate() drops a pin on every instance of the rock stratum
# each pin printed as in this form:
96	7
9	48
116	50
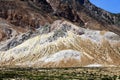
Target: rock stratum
62	33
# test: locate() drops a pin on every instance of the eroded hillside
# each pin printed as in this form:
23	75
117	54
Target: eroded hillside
50	33
66	45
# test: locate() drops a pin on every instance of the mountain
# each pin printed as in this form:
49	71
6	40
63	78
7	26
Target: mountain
57	33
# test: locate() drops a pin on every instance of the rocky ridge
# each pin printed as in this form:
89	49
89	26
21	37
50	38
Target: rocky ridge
66	46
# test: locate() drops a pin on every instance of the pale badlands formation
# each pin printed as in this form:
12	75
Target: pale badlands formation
58	33
67	45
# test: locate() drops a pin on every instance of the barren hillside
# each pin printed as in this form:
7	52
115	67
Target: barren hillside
57	33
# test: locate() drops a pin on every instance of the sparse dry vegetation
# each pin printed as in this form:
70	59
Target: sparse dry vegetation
60	73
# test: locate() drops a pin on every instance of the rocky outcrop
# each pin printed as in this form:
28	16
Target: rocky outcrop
18	22
72	10
66	45
13	39
21	16
100	14
58	8
111	20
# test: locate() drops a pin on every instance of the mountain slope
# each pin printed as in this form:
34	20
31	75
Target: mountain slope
66	46
57	33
